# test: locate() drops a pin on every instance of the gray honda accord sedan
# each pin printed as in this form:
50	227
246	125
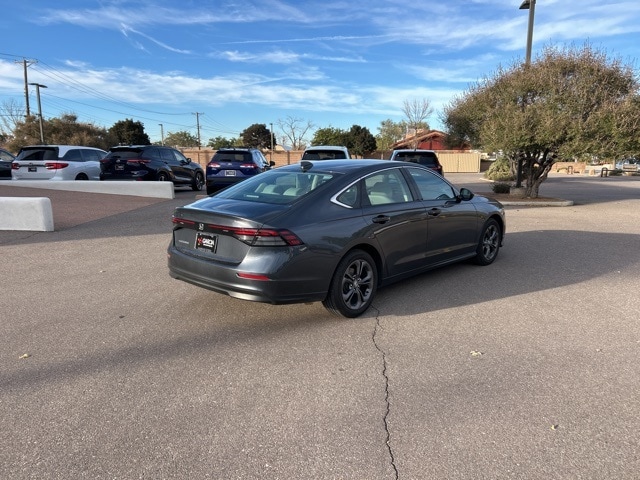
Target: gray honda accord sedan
331	231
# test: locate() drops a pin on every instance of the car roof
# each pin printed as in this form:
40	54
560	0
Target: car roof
62	149
326	147
341	165
416	150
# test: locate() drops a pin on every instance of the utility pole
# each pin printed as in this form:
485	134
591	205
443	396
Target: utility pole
38	86
197	114
161	134
271	132
26	63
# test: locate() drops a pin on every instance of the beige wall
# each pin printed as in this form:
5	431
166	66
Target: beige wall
452	162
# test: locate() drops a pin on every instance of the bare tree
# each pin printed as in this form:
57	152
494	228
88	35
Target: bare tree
11	113
416	112
294	131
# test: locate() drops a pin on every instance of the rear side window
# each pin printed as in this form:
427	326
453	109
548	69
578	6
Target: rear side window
92	155
74	155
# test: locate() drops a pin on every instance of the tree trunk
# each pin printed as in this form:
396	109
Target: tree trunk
536	169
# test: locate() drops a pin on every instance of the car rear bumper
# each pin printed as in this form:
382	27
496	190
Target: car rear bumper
225	280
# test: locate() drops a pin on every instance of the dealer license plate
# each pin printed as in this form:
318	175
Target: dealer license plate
206	242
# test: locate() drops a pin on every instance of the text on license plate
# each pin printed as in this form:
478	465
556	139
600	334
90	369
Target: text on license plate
33	169
206	242
230	173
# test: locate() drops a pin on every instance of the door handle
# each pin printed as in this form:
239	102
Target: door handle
381	219
434	212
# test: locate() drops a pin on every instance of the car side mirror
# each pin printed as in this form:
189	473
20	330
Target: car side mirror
272	163
465	195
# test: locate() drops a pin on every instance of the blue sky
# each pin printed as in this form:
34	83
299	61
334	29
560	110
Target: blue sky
334	63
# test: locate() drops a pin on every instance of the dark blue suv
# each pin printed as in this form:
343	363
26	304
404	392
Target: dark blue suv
232	165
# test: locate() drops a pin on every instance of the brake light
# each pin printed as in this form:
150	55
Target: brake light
182	221
55	165
213	165
256	237
249	165
15	166
138	161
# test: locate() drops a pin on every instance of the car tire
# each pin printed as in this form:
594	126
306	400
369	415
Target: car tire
353	285
489	243
198	182
82	176
163	177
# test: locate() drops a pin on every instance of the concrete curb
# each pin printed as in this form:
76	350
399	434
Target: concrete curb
137	189
526	203
26	213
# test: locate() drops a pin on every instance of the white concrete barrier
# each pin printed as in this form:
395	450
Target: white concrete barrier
137	189
26	213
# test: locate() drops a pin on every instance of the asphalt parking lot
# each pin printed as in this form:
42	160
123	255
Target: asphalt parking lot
526	369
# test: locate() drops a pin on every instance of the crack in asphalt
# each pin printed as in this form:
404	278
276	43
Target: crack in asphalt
386	394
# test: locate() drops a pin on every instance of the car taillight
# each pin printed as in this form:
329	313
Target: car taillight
249	166
256	237
15	166
138	161
55	165
213	165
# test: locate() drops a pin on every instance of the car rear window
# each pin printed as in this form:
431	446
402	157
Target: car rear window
44	153
125	153
427	159
323	155
232	157
276	187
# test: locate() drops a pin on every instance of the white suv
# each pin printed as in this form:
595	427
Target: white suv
325	152
57	162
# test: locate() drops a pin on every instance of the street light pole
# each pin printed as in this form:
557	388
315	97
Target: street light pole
531	6
38	86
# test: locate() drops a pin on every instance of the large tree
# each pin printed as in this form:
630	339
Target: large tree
129	132
361	141
570	104
221	142
181	139
256	136
330	136
63	130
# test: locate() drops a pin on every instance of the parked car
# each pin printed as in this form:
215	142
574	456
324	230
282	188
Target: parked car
629	164
6	158
325	152
57	162
331	231
232	165
428	158
153	163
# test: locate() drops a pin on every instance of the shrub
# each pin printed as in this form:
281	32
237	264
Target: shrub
501	187
500	170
